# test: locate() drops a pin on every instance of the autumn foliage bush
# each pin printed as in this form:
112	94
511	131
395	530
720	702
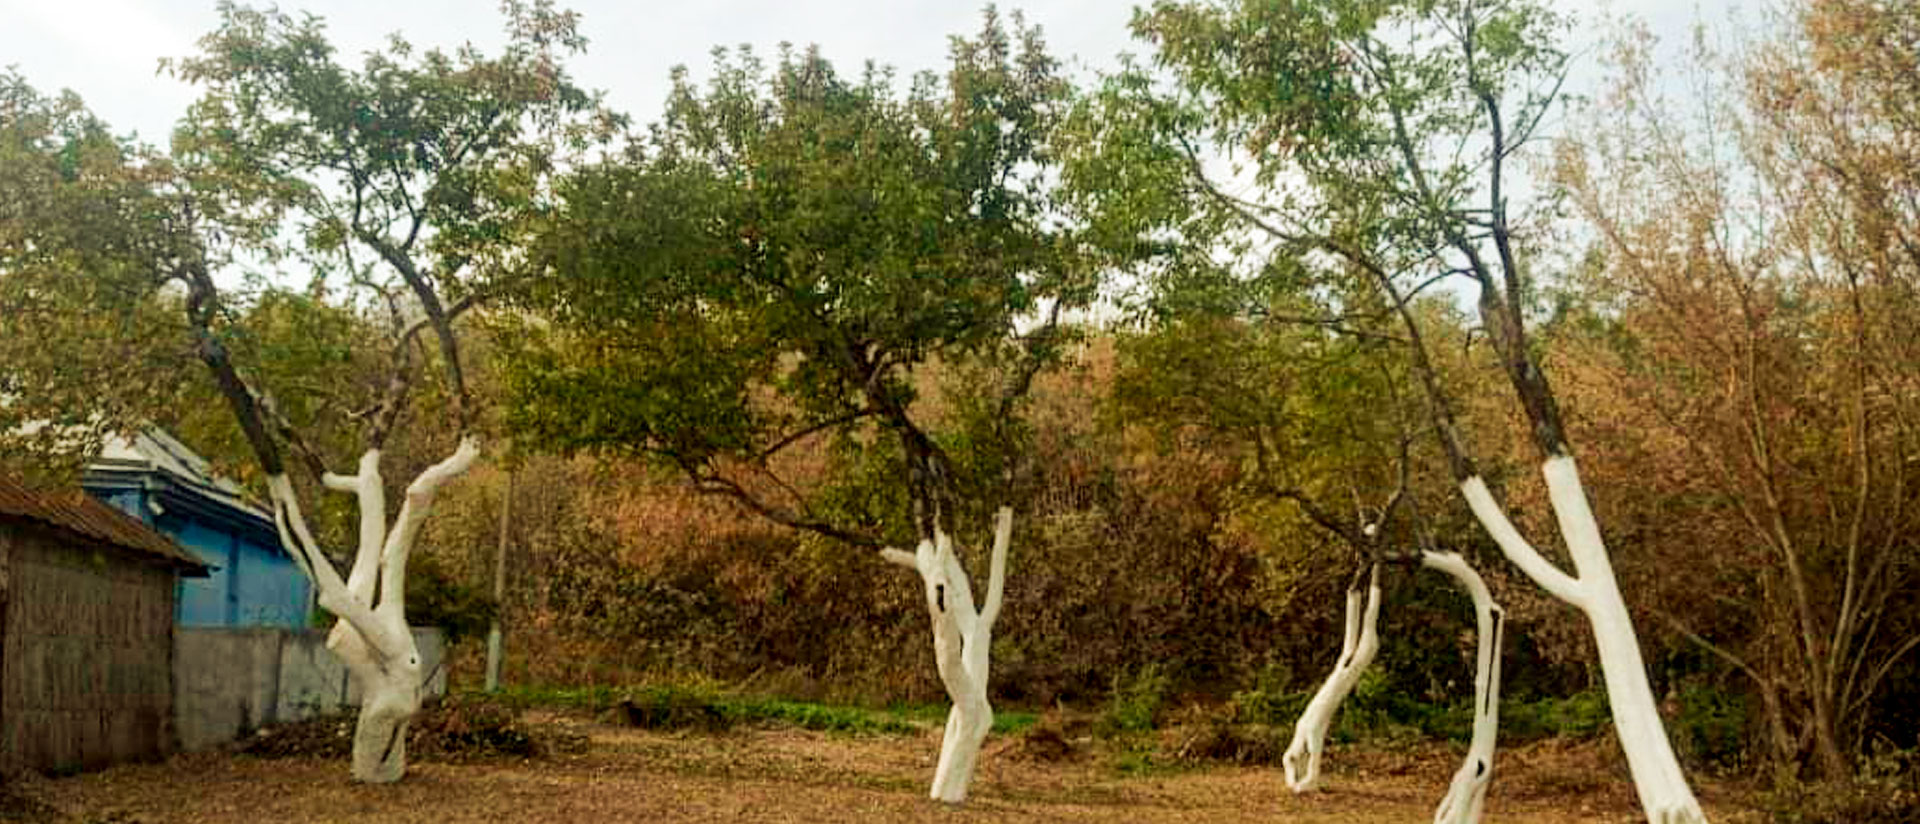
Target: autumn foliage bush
1123	558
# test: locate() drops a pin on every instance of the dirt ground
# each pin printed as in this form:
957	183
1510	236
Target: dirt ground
626	774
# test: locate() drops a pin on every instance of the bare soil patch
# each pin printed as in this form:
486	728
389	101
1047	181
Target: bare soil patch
619	773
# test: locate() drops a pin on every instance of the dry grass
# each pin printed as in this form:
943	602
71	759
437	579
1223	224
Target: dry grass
793	775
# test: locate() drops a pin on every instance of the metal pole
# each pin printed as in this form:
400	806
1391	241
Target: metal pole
495	650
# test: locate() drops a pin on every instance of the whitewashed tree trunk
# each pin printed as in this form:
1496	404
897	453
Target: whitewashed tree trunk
1467	794
371	636
962	643
389	696
1657	779
1357	647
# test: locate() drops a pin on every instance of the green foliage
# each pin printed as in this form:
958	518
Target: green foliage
1269	707
710	709
1298	407
1138	697
86	345
1712	727
431	158
670	708
436	599
1375	712
397	187
317	360
784	254
1365	103
1378	134
599	697
1582	715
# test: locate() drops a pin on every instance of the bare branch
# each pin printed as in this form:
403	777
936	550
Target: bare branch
804	432
711	483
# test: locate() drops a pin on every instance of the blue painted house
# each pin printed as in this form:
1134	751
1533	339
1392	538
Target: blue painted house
254	583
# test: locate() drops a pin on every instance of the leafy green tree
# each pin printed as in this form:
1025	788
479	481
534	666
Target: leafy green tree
760	288
1310	406
1379	138
76	363
399	187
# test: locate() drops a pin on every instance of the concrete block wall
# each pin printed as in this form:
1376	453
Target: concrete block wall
229	681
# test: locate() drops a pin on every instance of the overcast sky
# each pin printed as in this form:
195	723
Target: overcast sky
107	50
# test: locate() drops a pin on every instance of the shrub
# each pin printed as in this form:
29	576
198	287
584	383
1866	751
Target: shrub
707	710
671	708
1711	729
1866	801
1272	708
458	728
447	729
1262	744
1271	701
1055	736
1581	715
436	598
1136	700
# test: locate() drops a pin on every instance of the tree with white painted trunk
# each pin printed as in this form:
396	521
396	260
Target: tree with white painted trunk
962	646
1295	386
1466	794
1759	292
1358	644
764	300
372	637
410	185
1360	640
403	189
1384	157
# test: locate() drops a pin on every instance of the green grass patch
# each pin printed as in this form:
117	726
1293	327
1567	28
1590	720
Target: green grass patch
714	709
935	715
589	698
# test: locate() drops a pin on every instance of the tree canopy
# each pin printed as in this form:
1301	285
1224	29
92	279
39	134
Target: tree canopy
784	252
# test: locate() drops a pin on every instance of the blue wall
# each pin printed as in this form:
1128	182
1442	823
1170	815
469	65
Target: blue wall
253	584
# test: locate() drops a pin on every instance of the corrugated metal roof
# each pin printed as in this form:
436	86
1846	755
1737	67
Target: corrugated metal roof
154	449
75	511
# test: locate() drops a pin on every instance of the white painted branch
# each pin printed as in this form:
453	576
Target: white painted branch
1516	548
406	526
1578	527
302	555
371	493
899	556
1357	647
1657	778
295	536
333	595
452	467
997	567
1467	794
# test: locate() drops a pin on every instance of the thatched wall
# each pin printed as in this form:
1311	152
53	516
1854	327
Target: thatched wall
85	668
